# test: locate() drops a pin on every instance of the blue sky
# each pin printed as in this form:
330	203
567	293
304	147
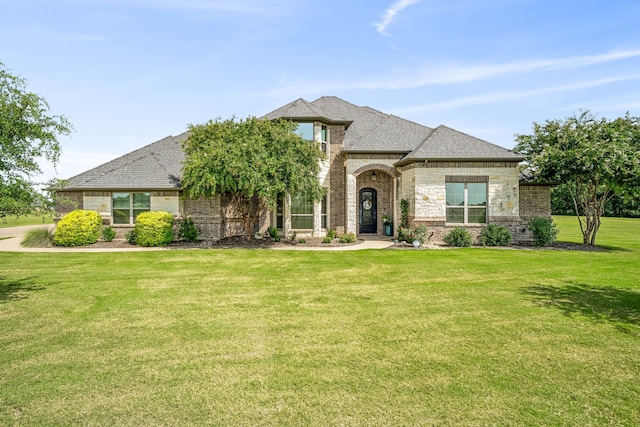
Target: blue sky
129	72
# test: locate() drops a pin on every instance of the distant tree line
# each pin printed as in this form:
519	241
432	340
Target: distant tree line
562	204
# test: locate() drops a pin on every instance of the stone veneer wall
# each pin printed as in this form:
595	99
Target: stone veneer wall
423	184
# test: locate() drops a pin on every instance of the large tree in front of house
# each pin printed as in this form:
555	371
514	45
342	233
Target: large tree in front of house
595	158
252	161
28	133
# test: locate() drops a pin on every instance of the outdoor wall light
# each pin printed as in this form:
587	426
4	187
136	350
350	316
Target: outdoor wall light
374	177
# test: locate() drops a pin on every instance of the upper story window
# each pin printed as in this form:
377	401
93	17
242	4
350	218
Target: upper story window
323	138
305	130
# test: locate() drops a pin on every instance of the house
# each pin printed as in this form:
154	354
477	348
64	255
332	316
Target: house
373	162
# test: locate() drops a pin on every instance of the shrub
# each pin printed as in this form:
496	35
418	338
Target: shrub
327	240
544	231
188	230
420	233
459	236
404	213
332	234
347	238
273	233
405	234
154	228
302	241
495	235
108	234
41	237
78	228
130	237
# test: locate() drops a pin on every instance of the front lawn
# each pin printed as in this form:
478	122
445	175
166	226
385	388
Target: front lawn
13	221
260	337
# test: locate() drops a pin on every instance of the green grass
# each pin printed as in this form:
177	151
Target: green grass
12	221
258	337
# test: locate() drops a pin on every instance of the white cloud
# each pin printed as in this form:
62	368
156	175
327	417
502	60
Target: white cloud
391	13
505	96
441	74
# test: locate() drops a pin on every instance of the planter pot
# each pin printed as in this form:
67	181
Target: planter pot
388	229
416	243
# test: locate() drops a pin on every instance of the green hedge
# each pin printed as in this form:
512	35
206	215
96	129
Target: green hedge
154	228
78	228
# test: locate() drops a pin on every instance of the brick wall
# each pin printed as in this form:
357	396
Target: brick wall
337	197
67	201
535	200
206	216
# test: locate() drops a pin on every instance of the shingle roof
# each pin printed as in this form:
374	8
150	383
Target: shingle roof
304	110
445	143
156	166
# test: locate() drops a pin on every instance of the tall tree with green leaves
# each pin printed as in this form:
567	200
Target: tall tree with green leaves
27	134
595	158
252	161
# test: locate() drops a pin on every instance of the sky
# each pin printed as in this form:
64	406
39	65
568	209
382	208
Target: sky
126	73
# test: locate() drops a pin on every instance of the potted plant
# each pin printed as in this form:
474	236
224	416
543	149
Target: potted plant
388	225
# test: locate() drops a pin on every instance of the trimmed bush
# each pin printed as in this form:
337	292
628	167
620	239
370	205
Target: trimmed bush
347	238
327	240
544	231
188	230
154	228
495	235
459	236
41	237
108	234
78	228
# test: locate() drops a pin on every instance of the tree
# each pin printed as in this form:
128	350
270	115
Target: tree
595	158
27	133
252	161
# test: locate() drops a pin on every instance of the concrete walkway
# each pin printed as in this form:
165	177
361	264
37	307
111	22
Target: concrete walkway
11	237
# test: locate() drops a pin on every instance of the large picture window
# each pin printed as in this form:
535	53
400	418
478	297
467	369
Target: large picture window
127	206
466	202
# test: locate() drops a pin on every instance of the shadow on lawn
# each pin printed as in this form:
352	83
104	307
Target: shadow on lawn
600	303
15	290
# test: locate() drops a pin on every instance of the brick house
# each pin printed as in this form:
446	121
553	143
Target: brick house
373	161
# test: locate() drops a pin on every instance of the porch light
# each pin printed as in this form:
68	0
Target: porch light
374	177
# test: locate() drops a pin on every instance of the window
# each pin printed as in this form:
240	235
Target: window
301	212
323	211
305	130
280	212
127	206
323	139
466	202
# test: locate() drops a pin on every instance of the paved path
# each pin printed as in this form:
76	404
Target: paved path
16	235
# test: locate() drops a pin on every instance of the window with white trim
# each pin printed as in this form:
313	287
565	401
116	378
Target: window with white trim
127	206
466	202
301	212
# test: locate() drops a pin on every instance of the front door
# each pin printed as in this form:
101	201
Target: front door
368	210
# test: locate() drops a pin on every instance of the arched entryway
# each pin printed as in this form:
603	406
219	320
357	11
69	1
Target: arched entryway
368	221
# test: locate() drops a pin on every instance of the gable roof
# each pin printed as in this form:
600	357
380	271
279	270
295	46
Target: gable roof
445	143
157	166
